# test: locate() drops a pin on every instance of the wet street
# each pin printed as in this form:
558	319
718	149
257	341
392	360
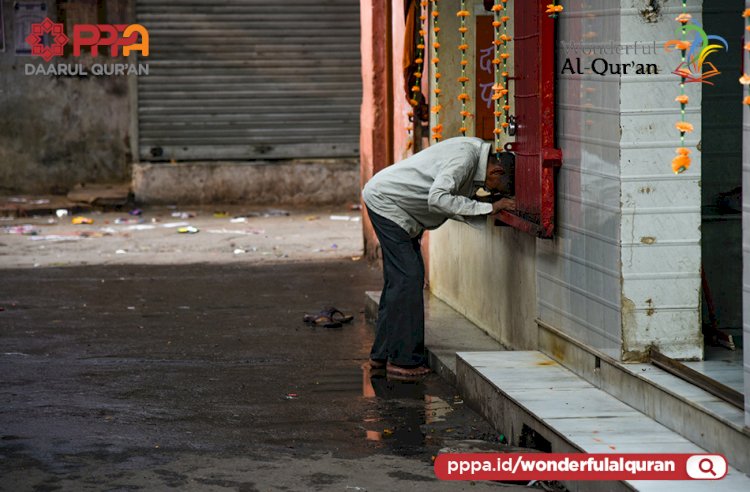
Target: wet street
203	377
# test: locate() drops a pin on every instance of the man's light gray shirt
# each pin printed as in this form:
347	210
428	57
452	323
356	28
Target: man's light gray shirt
434	185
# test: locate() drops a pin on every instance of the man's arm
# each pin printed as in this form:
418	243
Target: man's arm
443	197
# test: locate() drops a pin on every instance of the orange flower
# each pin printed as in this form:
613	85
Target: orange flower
497	113
682	151
506	107
437	108
438	91
463	47
437	128
418	61
464	62
497	8
465	114
436	60
497	42
437	136
746	100
413	102
746	13
420	46
418	75
497	87
682	99
410	114
496	96
504	56
505	18
463	79
436	45
463	29
747	46
684	126
436	29
438	75
435	13
505	74
506	124
415	88
422	32
424	3
683	18
553	9
677	44
505	38
680	164
497	131
496	61
463	13
463	97
745	79
498	149
422	18
496	23
463	129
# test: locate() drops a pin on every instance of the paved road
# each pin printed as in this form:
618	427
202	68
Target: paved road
203	377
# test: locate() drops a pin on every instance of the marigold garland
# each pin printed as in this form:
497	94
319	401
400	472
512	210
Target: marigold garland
437	130
745	79
501	93
463	79
419	60
681	163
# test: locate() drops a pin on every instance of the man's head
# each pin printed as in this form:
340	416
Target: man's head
501	173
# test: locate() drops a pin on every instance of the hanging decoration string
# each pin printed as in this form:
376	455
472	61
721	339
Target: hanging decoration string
745	79
463	96
505	55
681	162
437	130
499	90
416	90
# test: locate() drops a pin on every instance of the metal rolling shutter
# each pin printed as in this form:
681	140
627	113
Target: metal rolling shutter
249	79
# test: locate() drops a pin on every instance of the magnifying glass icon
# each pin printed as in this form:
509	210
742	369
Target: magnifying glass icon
708	467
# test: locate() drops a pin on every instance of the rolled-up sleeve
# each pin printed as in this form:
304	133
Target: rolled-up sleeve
443	197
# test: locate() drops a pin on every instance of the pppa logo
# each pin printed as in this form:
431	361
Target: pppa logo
48	39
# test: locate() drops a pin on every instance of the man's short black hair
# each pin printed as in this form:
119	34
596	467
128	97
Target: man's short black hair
507	161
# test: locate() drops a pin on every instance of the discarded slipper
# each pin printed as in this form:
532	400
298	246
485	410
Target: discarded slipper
329	317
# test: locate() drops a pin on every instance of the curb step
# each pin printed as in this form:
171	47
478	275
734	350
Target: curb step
526	394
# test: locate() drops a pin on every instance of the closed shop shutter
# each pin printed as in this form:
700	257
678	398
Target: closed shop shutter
249	79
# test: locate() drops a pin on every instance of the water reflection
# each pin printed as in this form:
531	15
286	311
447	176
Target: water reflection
403	409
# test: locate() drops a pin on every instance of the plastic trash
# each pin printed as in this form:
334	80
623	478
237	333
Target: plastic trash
81	220
188	230
136	211
61	212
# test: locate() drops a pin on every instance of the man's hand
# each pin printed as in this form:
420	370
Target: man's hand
503	204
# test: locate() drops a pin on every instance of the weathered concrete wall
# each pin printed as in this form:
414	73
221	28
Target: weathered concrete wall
59	131
374	116
262	183
488	275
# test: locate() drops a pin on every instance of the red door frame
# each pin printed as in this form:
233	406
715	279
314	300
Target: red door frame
534	89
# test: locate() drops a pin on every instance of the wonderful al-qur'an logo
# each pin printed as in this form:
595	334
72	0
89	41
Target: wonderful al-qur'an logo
48	40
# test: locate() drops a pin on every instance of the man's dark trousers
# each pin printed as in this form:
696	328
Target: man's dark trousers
400	327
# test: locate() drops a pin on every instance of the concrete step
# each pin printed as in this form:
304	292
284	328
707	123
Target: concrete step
446	332
677	404
532	398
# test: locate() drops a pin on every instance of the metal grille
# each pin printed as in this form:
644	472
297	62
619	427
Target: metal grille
249	79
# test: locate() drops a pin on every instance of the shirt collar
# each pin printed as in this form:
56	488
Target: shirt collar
480	176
